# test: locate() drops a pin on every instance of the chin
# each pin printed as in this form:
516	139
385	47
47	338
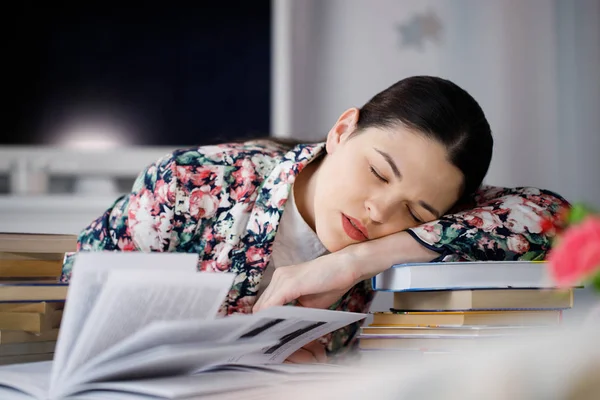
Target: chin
334	247
332	242
332	239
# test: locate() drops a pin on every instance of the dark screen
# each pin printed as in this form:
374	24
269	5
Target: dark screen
158	75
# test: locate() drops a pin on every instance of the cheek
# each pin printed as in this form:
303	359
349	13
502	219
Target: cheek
342	180
398	223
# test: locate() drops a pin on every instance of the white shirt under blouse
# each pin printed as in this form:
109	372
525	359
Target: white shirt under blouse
295	242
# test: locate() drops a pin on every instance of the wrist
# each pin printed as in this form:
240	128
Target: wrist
351	261
368	259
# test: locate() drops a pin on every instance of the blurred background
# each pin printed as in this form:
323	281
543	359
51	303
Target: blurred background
93	92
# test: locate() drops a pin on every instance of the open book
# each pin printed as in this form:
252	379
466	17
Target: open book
145	326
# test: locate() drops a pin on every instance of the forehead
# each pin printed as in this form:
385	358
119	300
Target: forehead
401	138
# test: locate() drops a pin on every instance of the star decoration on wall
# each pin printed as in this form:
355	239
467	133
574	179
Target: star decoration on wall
420	28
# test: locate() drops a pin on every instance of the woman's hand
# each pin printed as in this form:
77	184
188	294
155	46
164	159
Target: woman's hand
321	282
316	284
314	352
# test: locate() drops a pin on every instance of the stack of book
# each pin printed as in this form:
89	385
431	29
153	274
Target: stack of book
450	307
31	294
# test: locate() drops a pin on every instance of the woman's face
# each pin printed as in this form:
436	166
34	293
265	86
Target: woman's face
379	182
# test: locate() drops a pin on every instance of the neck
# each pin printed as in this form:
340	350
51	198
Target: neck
304	192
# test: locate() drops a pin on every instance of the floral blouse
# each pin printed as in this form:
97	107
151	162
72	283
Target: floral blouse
224	202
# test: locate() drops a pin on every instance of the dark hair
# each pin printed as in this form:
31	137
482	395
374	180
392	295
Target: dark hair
440	110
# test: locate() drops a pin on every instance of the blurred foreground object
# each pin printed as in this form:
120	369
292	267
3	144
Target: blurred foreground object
564	365
575	257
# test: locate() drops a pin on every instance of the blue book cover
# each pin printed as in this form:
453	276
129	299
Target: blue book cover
468	275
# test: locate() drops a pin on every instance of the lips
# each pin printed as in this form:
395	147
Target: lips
354	228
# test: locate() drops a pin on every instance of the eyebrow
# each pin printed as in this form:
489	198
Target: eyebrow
392	163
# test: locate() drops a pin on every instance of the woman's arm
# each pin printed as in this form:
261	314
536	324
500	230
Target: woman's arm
505	224
321	282
340	280
370	258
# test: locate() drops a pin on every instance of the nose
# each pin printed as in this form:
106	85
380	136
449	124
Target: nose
379	210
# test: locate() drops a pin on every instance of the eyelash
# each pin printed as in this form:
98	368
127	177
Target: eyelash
381	178
414	216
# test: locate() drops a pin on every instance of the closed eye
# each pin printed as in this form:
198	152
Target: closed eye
417	219
377	175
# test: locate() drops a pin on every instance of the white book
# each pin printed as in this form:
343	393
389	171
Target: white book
146	326
464	275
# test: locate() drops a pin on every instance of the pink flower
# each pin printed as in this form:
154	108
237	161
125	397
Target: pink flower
518	244
221	254
555	223
429	233
486	220
208	266
183	174
245	174
255	254
222	265
241	192
200	176
164	192
125	244
243	305
202	204
577	255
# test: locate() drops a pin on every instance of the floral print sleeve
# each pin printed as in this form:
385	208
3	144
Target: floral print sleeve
140	220
504	224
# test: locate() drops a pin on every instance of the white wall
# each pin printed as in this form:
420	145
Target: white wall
534	66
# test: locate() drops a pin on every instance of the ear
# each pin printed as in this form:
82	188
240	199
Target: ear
343	128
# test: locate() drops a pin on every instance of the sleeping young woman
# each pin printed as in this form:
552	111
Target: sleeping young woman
397	180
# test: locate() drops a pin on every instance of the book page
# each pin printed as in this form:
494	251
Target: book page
179	387
295	327
89	274
167	361
131	299
224	381
286	368
166	333
230	331
30	378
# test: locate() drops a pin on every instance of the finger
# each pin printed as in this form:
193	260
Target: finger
262	300
302	356
265	300
279	292
321	300
317	350
258	305
278	299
